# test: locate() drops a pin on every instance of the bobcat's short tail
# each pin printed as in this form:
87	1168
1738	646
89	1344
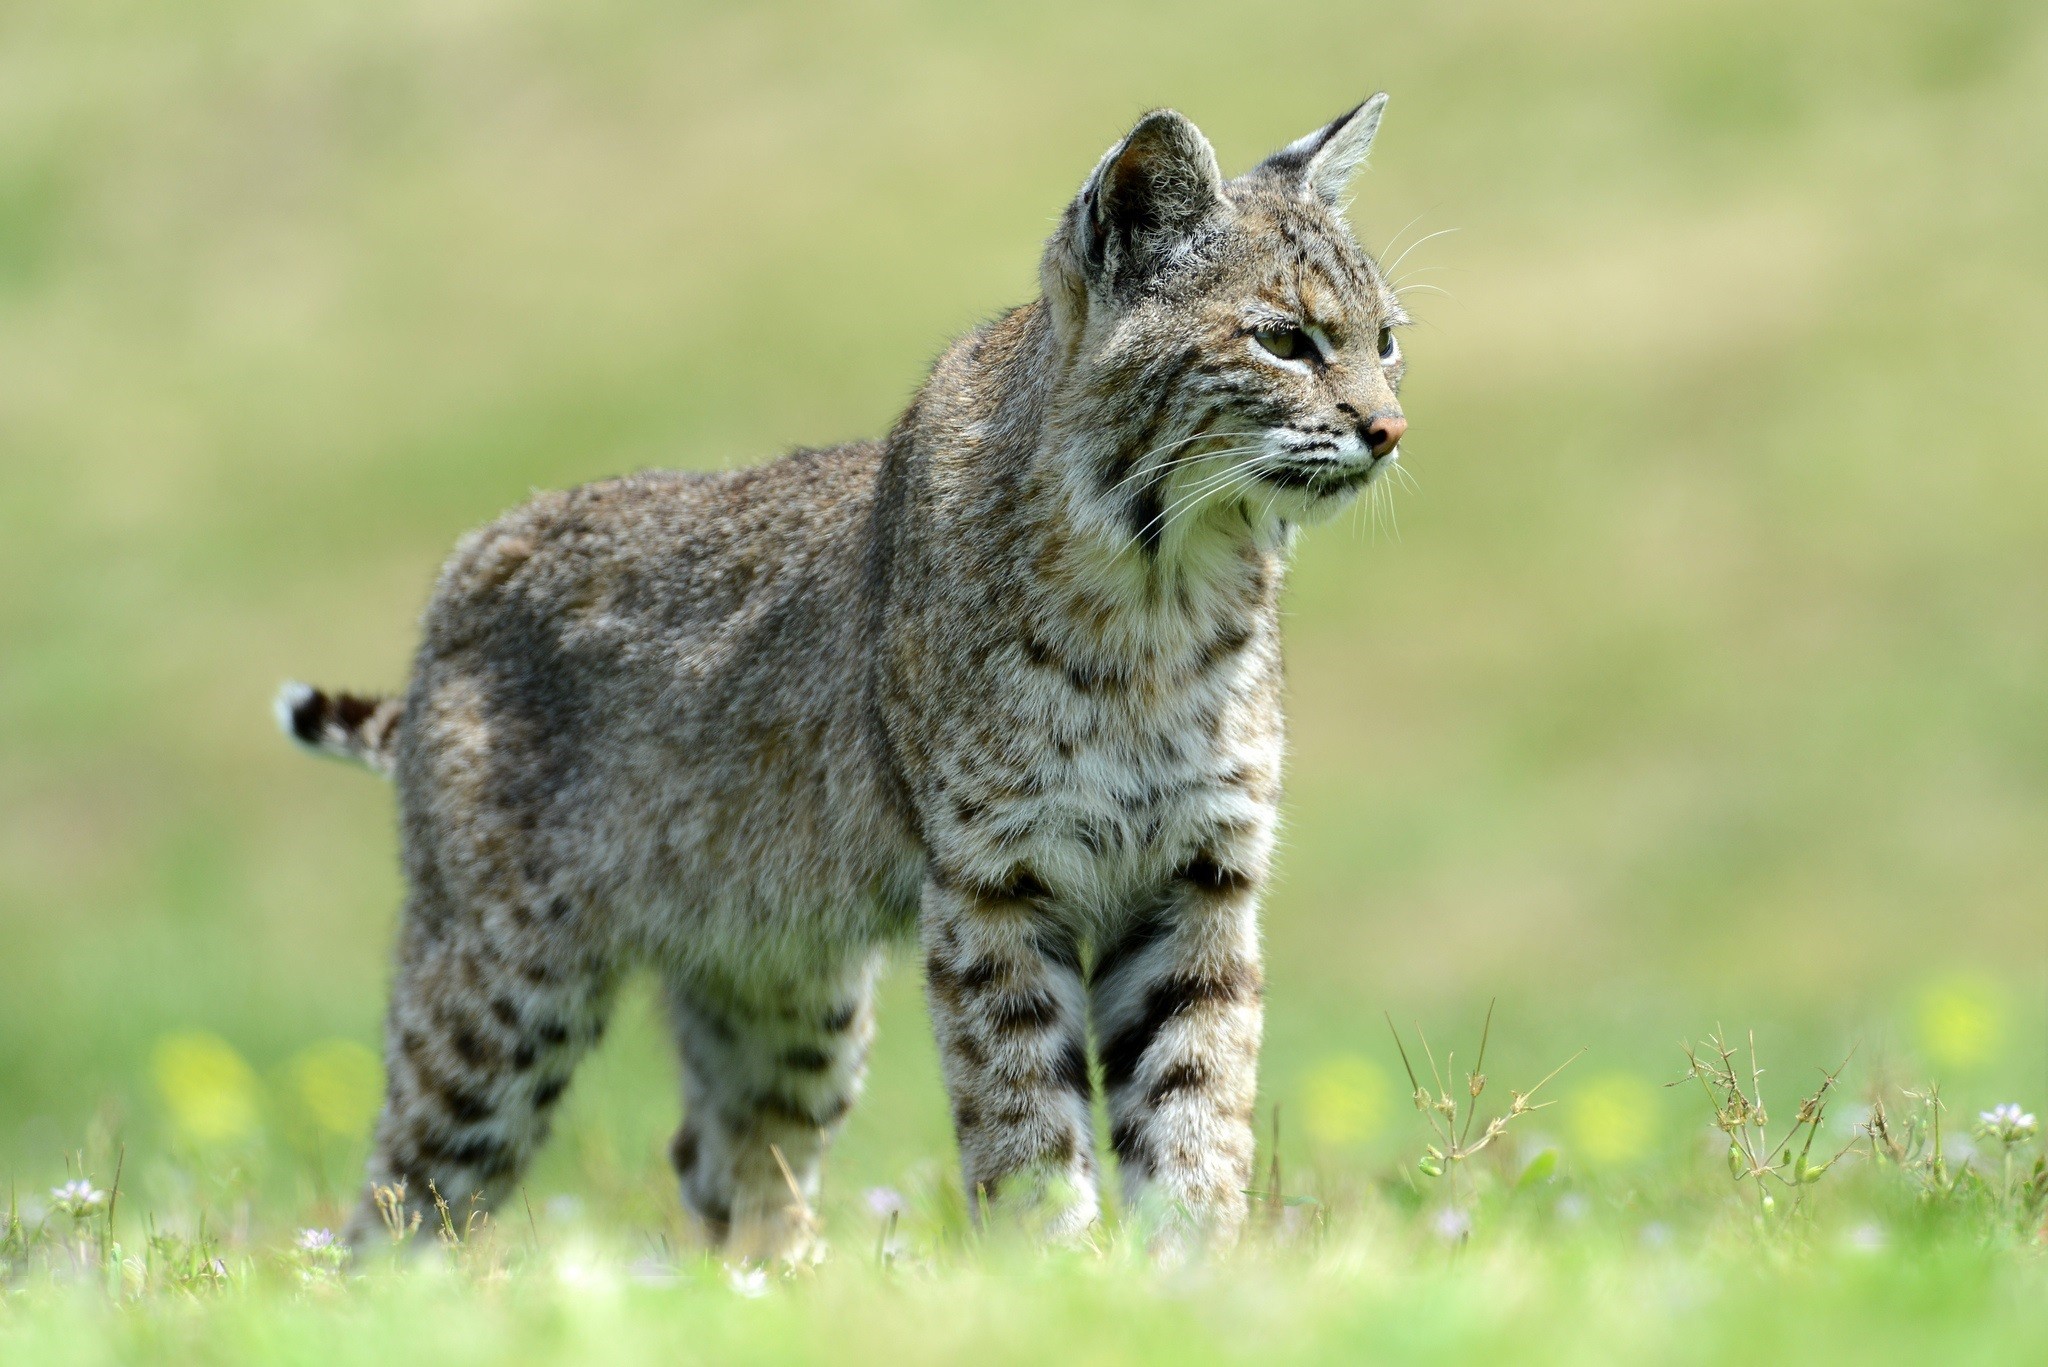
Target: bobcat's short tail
342	725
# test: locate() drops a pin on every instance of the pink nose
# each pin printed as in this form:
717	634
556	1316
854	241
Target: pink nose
1384	432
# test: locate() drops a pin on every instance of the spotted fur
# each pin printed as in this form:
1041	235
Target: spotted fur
1006	681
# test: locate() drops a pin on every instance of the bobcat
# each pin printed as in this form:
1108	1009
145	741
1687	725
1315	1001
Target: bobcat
1007	680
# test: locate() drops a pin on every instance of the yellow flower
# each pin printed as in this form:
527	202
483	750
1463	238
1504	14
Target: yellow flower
1613	1117
210	1091
339	1083
1961	1021
1345	1100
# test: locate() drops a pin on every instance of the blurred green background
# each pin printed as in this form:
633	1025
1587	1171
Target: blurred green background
1706	680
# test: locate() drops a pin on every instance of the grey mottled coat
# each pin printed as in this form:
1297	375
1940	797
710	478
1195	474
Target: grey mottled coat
1007	680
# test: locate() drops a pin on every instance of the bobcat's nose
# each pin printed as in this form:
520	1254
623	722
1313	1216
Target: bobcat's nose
1383	432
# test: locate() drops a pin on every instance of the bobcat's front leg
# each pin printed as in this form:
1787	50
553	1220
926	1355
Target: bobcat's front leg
1178	1010
1008	1005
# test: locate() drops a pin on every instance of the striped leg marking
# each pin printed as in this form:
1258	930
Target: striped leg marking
1178	1009
1008	1006
761	1079
479	1046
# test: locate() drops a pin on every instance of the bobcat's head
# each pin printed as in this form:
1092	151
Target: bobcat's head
1226	348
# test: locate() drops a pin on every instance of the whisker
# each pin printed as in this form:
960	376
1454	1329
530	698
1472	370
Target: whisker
1389	270
1402	229
1147	471
1211	482
1201	489
1140	470
1266	514
1207	486
1185	505
1184	441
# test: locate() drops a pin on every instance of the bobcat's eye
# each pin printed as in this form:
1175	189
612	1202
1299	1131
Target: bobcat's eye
1390	350
1289	344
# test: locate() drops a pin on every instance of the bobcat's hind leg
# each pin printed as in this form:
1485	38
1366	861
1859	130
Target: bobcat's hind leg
488	1019
767	1079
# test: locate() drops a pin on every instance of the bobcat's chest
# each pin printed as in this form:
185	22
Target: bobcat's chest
1098	781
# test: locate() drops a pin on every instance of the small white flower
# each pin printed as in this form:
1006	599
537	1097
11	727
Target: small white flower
884	1202
315	1240
1450	1224
751	1282
77	1196
2006	1123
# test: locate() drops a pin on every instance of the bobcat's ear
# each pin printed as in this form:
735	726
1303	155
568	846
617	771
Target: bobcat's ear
1140	207
1324	161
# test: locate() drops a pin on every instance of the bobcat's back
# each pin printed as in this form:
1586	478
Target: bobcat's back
662	681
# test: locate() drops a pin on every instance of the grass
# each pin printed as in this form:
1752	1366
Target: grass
1897	1245
1367	1300
1702	681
